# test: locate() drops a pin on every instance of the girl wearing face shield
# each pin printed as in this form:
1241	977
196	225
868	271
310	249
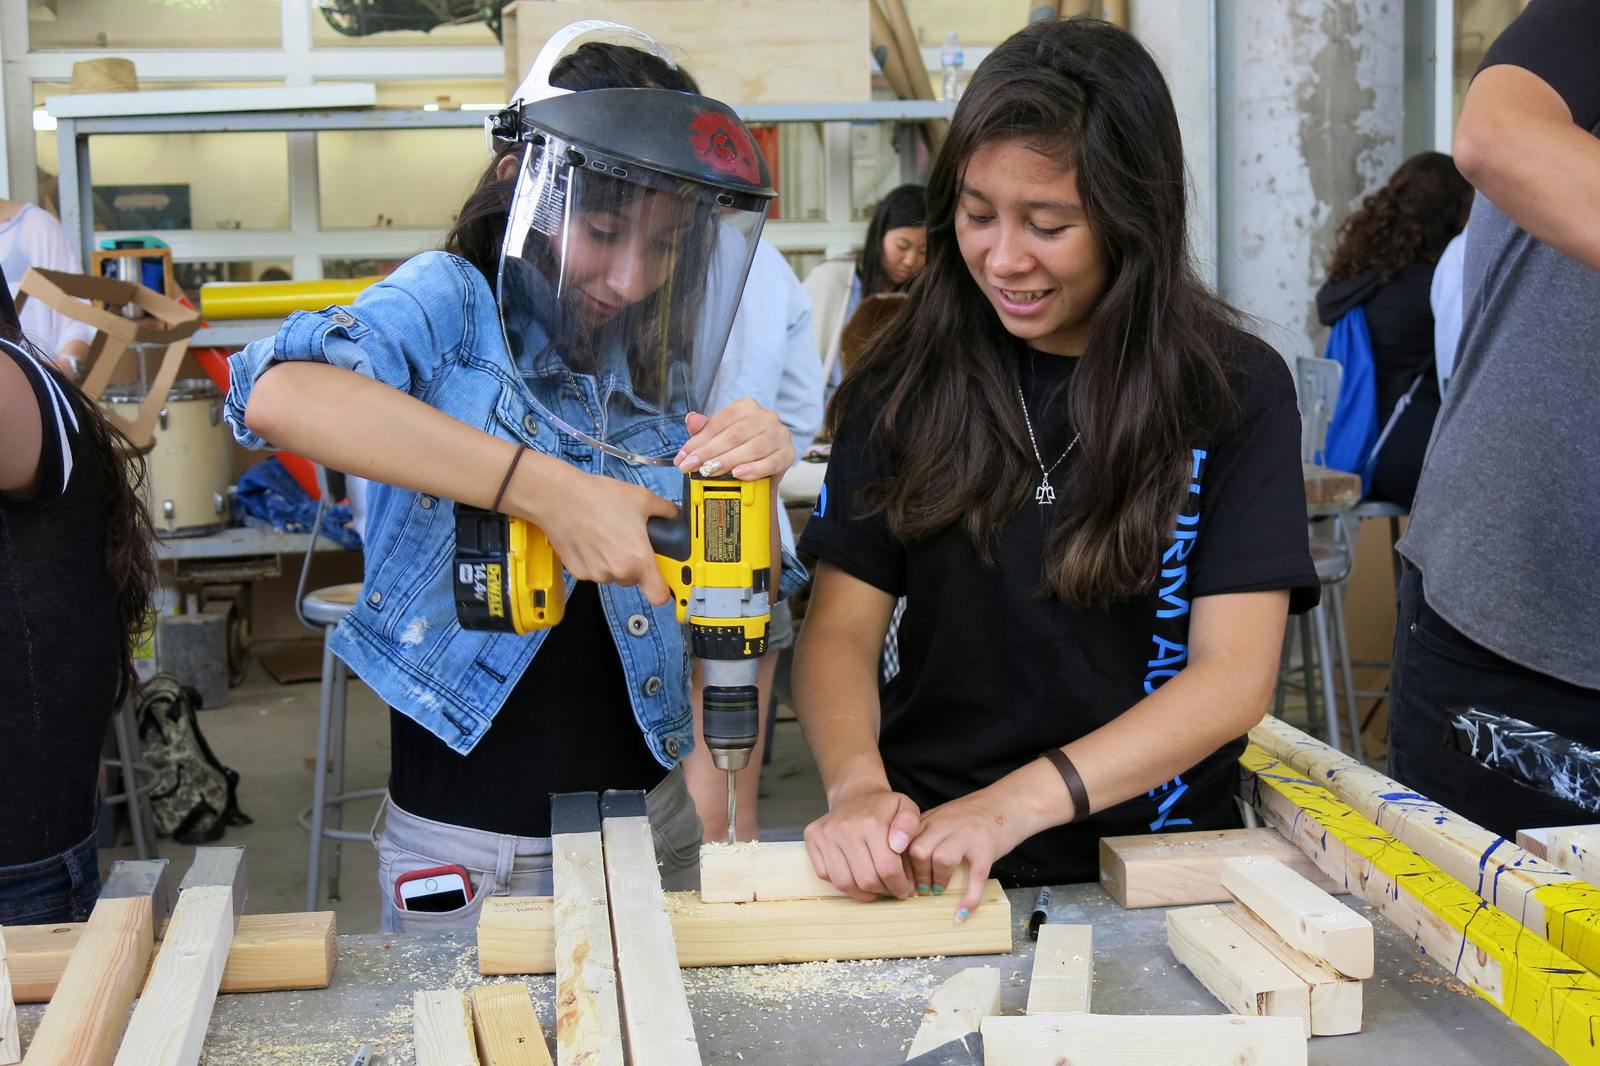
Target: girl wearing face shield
551	363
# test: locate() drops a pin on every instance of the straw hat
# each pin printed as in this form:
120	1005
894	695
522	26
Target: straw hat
108	75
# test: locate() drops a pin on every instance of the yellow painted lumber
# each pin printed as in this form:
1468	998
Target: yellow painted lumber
1534	984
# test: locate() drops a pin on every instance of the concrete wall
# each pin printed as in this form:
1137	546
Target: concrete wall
1310	118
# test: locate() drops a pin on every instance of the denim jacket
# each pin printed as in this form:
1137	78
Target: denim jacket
432	329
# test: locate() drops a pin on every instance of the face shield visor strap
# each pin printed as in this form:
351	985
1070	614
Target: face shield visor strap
632	281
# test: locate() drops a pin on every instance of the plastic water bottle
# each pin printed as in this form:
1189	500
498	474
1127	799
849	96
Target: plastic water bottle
950	60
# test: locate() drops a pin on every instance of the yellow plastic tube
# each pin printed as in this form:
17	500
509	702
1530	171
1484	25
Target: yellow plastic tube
275	299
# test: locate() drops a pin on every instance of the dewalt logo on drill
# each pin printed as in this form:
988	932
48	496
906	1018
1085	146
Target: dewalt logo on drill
493	578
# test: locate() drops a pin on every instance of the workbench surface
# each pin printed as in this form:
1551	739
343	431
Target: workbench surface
857	1012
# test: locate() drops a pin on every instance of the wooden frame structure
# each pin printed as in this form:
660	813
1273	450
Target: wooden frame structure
170	324
588	1026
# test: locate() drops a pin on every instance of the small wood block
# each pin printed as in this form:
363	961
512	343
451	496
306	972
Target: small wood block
442	1027
514	932
1576	849
270	953
773	870
508	1027
84	1021
588	1025
1335	1000
169	1024
1063	970
1175	869
1142	1040
1245	977
655	1008
1535	841
10	1039
1304	916
956	1007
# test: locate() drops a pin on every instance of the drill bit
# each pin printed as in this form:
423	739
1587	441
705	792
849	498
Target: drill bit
731	795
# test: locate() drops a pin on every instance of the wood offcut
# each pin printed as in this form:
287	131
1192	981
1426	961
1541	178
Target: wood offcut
772	870
1178	869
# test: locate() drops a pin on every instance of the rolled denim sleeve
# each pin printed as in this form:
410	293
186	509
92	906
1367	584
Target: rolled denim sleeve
794	575
401	332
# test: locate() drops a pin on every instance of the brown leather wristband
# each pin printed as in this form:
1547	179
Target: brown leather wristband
1069	774
506	481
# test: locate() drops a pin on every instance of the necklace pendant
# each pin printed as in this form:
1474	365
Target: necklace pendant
1044	494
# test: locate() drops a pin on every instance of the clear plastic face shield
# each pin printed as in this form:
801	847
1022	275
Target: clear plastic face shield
624	276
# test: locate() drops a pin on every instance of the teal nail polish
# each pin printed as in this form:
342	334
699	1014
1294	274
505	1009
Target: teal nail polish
961	915
922	889
938	890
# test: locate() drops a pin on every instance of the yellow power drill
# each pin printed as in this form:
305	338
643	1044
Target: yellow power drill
716	556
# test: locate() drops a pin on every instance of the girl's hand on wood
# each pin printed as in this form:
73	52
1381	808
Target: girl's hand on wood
743	439
859	844
974	829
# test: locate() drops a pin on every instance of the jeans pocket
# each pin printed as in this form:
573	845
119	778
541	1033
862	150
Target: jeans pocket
395	863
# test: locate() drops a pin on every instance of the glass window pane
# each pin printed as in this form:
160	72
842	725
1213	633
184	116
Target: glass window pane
159	24
397	177
209	181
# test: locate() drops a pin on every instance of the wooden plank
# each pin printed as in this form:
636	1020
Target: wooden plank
442	1028
1245	977
1575	849
1535	841
655	1009
754	51
1552	903
10	1038
514	932
1304	916
588	1029
270	953
85	1018
1335	999
1063	970
1143	1040
1178	869
169	1024
507	1026
769	870
1537	986
957	1007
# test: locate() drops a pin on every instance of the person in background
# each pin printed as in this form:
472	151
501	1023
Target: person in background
895	249
1084	477
1444	299
770	359
1498	601
31	237
76	572
1384	262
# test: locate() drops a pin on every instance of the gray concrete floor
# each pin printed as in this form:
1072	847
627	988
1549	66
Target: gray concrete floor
268	732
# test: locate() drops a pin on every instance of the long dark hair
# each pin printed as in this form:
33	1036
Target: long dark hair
906	205
480	226
130	542
941	384
1410	220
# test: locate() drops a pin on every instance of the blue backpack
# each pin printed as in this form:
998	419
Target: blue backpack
1354	429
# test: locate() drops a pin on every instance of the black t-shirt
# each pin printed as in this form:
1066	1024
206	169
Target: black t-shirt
567	726
992	673
60	635
1556	40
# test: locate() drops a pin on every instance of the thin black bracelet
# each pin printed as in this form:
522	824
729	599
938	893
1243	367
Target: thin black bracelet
506	481
1069	774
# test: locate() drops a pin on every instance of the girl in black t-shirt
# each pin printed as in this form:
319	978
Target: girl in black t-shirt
1083	477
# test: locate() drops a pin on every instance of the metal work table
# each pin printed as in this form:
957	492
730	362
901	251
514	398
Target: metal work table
858	1012
240	541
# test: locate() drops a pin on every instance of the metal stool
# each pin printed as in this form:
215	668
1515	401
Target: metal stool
324	819
136	794
1324	645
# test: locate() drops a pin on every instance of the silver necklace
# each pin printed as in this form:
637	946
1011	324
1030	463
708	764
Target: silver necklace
1045	493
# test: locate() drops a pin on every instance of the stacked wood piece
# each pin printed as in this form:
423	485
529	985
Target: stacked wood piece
1173	869
1286	949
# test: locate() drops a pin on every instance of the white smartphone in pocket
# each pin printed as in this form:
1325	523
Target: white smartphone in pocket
434	890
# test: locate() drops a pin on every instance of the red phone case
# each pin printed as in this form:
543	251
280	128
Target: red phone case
432	871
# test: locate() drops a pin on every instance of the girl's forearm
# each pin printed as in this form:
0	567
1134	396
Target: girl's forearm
836	702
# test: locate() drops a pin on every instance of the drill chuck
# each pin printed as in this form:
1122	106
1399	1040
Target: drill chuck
731	722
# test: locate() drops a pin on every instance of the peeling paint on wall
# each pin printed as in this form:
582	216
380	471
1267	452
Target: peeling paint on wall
1313	96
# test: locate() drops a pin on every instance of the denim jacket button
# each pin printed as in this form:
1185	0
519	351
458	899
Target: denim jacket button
375	598
672	747
427	503
652	687
344	319
530	425
638	625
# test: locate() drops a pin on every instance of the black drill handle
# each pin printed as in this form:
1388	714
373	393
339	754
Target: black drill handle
673	538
